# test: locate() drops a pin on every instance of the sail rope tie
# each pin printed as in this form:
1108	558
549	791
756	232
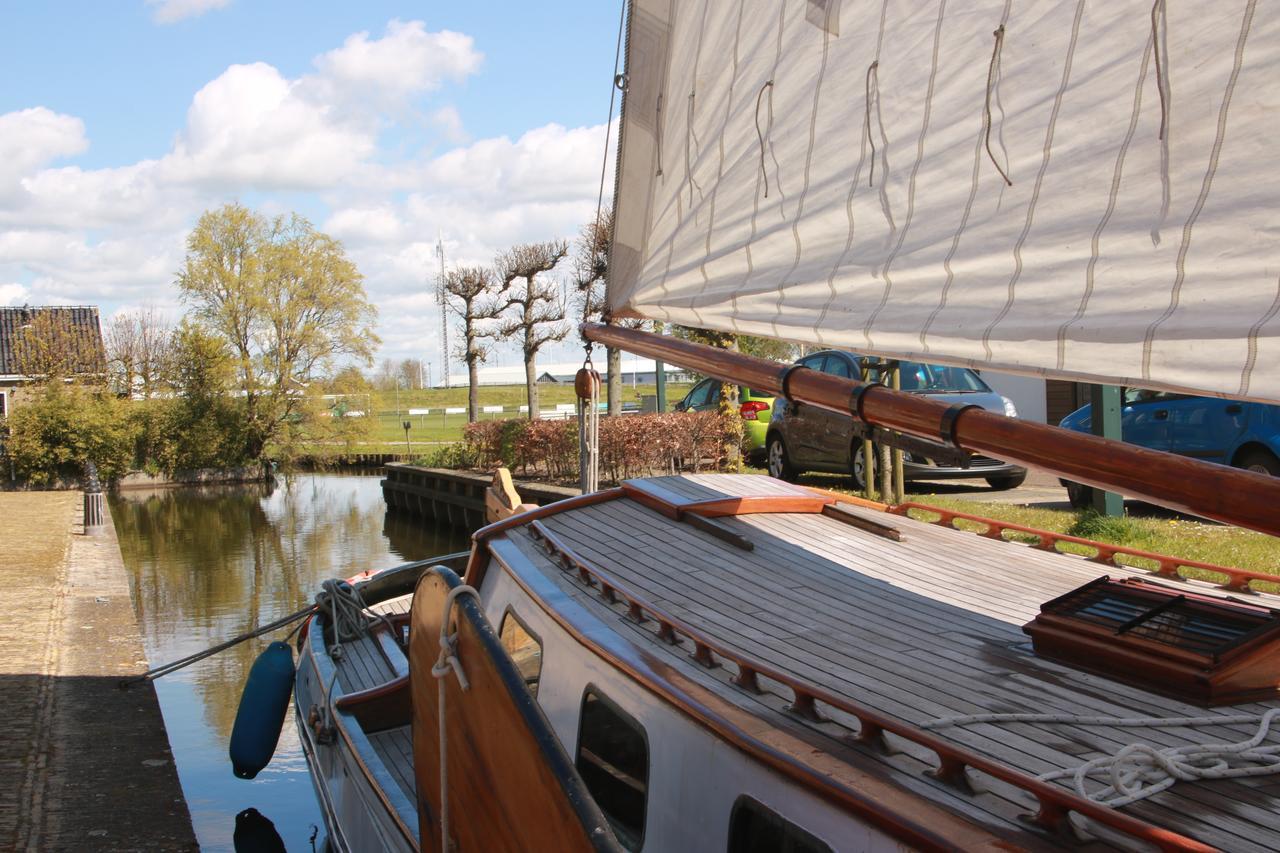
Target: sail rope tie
871	70
986	109
1139	770
760	135
174	666
1157	10
448	662
659	133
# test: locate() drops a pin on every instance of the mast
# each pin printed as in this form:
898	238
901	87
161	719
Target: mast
1213	491
444	317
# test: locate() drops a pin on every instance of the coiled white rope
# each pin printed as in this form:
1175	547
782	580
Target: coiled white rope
447	662
1140	770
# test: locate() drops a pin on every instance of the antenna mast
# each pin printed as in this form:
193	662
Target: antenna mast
444	317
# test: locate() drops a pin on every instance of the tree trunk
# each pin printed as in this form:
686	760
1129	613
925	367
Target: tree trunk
613	361
531	385
473	390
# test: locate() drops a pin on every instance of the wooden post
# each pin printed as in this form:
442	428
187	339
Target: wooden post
899	486
1104	421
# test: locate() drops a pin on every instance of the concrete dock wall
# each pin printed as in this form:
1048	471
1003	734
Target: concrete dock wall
86	765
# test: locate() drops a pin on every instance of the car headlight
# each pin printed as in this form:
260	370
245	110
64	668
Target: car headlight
1010	410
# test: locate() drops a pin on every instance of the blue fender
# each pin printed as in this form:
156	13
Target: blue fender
262	710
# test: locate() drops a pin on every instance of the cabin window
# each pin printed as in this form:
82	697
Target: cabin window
613	758
524	648
755	828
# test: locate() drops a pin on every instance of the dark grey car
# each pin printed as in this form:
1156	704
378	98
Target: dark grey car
805	438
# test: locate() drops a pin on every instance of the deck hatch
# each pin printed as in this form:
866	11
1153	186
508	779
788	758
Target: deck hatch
1203	648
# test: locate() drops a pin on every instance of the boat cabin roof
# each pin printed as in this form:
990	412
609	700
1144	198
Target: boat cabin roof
917	628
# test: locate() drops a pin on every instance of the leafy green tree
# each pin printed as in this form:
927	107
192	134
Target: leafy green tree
288	304
63	427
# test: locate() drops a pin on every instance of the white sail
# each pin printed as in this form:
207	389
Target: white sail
832	172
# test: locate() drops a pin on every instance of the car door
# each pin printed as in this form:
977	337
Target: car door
1205	427
1144	420
798	421
832	434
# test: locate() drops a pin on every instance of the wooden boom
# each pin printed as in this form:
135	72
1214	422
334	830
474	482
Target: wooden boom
1206	489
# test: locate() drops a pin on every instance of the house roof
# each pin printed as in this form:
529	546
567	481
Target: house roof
79	321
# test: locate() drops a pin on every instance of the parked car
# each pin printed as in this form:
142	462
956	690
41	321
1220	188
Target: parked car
754	406
803	438
1244	435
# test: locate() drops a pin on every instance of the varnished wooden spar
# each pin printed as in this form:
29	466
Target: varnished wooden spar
1214	491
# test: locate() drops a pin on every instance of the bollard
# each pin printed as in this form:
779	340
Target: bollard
93	508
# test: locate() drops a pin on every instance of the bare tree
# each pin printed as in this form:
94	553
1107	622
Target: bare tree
539	312
469	293
591	269
139	348
410	372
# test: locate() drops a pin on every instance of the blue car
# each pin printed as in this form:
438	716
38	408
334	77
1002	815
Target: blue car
1245	435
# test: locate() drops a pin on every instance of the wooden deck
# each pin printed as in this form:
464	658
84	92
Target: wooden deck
363	666
919	629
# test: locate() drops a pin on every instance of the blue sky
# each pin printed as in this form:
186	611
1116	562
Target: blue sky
383	122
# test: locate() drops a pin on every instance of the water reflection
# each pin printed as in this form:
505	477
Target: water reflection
207	563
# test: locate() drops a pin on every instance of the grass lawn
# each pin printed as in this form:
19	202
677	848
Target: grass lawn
390	411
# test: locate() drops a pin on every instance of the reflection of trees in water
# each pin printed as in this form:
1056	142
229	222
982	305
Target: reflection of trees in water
207	563
413	535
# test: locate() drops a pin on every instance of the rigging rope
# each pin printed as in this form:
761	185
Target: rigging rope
174	666
991	73
447	662
1139	770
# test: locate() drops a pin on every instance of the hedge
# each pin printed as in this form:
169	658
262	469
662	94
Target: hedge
630	446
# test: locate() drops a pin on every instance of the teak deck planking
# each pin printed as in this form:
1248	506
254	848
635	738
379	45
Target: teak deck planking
923	628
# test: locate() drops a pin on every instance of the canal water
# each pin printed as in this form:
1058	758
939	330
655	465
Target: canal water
207	563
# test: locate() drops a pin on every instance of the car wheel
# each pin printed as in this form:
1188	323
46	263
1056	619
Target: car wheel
858	466
1011	481
779	463
1261	461
1079	495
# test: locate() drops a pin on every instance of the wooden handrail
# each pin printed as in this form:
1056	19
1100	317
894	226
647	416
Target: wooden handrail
1238	580
1055	804
1188	485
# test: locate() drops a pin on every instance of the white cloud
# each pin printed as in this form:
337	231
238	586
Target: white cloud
115	236
171	11
249	127
13	294
30	139
408	60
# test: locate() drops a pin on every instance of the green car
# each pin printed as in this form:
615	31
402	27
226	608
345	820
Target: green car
755	407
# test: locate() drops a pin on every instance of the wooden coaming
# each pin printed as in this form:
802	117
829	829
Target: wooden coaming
511	786
919	629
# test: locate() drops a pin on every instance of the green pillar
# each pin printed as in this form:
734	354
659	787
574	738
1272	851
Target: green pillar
660	381
1104	403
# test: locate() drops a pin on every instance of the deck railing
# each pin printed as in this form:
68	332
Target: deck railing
1055	804
1237	580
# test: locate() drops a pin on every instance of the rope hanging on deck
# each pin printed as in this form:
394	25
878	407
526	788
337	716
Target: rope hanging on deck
448	662
1140	770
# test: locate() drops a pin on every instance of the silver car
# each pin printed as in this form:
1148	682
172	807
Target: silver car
803	438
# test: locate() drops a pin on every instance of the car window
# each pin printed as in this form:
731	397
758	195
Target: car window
813	361
936	377
701	394
1145	395
836	366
